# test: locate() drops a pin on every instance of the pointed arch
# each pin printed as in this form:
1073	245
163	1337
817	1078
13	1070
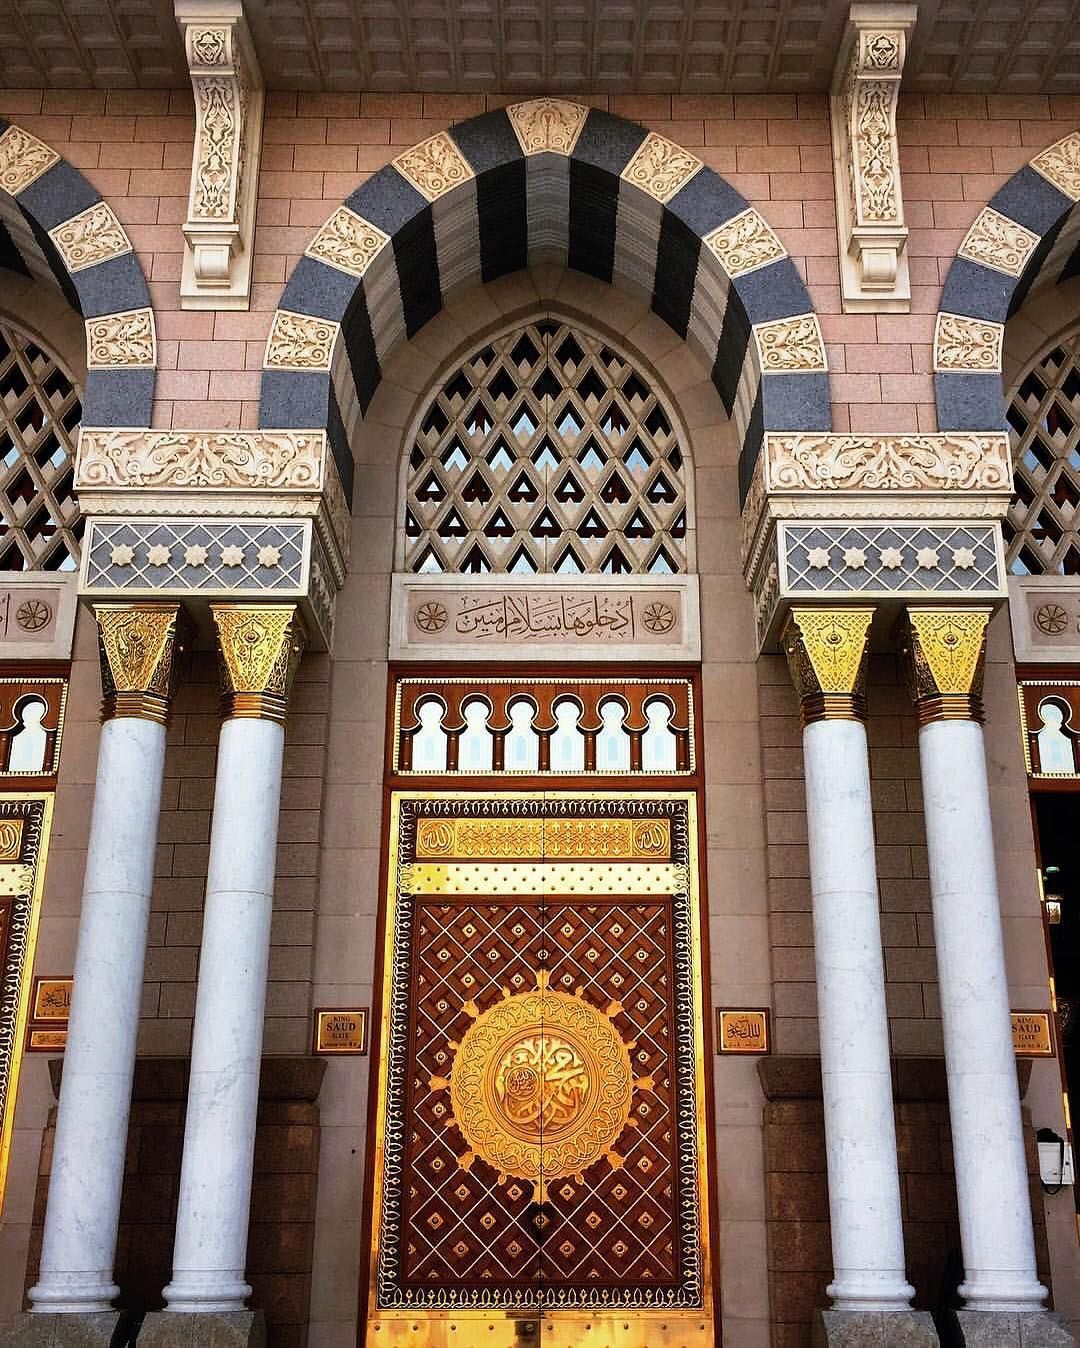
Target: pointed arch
56	228
545	180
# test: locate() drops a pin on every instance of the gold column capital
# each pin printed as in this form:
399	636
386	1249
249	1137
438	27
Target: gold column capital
944	652
137	644
259	649
827	650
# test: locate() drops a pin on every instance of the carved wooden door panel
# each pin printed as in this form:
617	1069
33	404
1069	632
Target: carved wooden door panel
540	1161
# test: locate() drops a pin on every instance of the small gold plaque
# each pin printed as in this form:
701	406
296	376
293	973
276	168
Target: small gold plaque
743	1031
47	1041
52	999
341	1031
1033	1036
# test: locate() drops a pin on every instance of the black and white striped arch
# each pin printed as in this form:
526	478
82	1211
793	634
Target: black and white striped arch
1025	241
56	228
546	180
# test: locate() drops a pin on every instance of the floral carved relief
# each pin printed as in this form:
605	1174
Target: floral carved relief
273	460
745	243
971	344
889	463
300	342
998	242
660	167
121	340
1060	165
791	345
23	158
347	242
434	167
92	236
547	124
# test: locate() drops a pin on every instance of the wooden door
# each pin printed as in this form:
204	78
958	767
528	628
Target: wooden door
541	1163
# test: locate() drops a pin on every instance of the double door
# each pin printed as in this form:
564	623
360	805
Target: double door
541	1163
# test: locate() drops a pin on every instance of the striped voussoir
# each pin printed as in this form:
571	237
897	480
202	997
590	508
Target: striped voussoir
1026	240
547	180
55	228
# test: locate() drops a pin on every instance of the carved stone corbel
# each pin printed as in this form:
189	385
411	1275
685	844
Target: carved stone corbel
866	165
220	225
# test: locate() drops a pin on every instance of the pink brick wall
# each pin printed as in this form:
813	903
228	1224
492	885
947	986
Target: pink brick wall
135	148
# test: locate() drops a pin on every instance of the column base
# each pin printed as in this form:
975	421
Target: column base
874	1329
1011	1329
73	1329
203	1329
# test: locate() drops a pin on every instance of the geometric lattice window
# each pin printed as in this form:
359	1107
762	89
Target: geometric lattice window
546	451
1042	529
40	411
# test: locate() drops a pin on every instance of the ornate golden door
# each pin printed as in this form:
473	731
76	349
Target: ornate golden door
540	1162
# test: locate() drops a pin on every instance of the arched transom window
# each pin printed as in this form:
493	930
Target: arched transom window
1042	530
40	413
546	451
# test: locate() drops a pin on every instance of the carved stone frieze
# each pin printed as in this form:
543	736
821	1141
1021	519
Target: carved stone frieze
956	461
827	651
137	645
220	224
967	344
348	242
660	167
435	166
259	649
944	651
1060	164
745	243
998	242
300	342
23	159
92	236
124	340
215	473
547	125
869	198
791	345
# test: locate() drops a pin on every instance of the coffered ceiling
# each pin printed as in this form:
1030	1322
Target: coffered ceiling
565	46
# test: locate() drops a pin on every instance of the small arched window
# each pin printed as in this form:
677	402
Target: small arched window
40	413
546	450
1042	529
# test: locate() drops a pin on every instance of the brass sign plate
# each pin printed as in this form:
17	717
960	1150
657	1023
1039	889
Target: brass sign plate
50	1005
743	1031
1033	1035
341	1031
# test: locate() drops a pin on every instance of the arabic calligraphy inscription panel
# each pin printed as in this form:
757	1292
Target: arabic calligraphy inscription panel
542	1072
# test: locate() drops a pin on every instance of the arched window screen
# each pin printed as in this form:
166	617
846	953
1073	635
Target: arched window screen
1042	530
546	451
40	413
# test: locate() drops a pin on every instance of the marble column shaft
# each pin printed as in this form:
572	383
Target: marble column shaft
827	653
259	647
82	1217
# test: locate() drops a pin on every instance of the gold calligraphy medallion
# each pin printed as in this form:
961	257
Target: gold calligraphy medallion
541	1086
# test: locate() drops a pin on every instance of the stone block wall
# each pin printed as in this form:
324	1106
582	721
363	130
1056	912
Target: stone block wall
797	1202
281	1237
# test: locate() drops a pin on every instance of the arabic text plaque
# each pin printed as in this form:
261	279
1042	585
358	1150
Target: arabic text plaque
341	1031
50	1004
743	1031
1033	1036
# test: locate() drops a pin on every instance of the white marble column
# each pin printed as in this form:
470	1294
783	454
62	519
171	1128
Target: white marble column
945	654
137	643
827	650
259	647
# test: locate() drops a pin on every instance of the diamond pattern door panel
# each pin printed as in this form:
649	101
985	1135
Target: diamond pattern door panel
541	1079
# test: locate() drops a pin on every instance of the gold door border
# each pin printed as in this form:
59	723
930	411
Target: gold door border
24	974
624	1329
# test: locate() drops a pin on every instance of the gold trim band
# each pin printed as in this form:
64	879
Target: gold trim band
146	706
815	707
254	706
949	707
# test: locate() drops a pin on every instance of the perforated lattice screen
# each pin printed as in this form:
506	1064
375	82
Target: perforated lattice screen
1042	530
40	412
546	451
